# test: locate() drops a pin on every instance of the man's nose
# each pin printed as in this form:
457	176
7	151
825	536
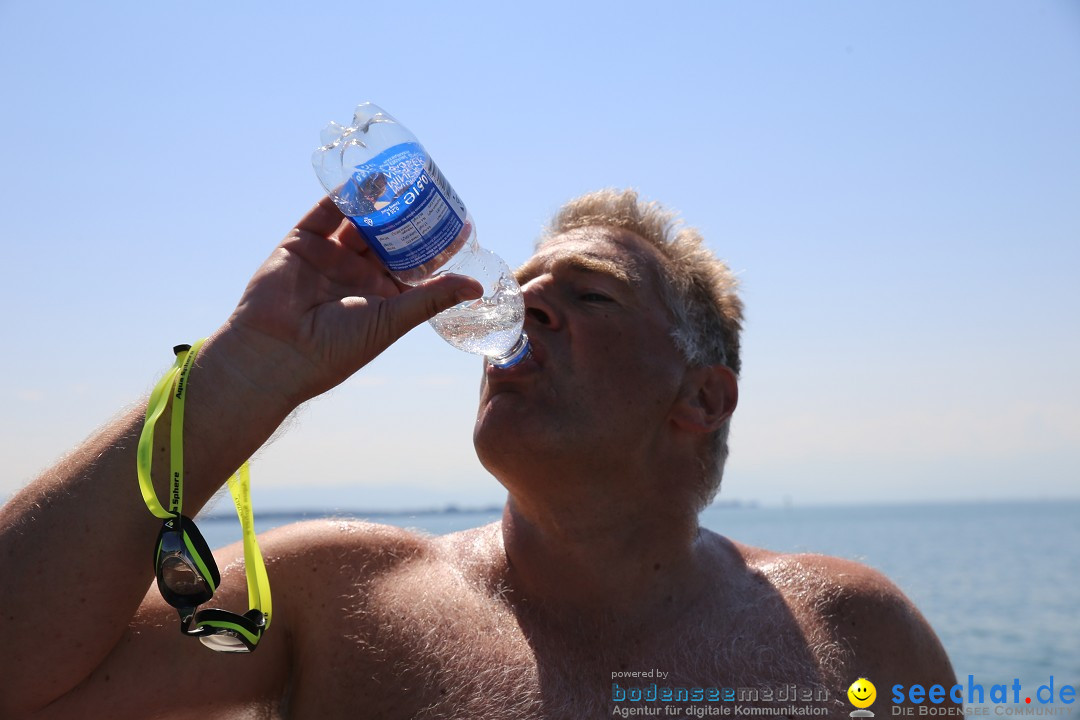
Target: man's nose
540	307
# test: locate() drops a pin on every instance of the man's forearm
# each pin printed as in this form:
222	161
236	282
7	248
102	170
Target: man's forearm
76	544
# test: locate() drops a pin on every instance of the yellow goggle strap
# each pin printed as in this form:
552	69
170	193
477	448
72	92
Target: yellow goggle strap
175	382
159	399
258	583
176	431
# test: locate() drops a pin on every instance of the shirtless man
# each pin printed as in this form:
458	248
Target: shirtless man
610	439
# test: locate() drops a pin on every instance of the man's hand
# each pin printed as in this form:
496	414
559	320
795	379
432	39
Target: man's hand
323	305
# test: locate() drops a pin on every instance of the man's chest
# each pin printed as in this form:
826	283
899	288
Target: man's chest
452	653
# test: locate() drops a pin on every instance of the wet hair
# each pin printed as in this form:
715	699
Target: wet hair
698	289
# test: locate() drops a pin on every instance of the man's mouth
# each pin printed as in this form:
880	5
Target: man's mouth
532	362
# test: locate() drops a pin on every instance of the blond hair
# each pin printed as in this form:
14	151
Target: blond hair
698	289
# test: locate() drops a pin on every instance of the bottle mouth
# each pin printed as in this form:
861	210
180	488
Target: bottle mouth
521	350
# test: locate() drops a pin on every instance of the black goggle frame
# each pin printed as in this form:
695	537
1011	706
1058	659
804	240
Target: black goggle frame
183	557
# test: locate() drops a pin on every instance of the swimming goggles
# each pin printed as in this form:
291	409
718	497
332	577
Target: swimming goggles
187	575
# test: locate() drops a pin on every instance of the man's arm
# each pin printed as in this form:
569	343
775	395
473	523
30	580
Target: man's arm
75	545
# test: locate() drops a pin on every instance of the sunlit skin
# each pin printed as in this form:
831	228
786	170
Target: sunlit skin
862	693
598	564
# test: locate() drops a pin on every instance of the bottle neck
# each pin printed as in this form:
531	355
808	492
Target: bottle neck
521	350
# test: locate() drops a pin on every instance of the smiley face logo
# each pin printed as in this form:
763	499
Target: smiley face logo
862	693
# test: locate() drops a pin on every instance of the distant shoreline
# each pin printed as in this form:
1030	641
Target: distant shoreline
224	512
217	515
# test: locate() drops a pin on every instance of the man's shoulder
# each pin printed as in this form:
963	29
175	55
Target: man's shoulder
883	632
317	568
330	551
360	549
830	581
345	533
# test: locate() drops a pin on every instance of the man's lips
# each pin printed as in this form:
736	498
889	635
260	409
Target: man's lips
530	364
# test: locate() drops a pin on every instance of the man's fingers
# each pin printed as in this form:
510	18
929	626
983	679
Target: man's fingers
351	238
424	302
326	220
323	219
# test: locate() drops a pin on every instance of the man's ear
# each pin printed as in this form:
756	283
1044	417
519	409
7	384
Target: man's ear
708	397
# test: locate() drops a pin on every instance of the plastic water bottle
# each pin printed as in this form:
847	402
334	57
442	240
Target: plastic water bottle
384	181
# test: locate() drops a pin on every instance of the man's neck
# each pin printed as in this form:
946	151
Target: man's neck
625	563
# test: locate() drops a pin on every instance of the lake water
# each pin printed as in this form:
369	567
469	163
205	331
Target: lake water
999	582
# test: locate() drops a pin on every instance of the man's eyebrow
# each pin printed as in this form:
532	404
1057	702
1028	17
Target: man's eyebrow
581	263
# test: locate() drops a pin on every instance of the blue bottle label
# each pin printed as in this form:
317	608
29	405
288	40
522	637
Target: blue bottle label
403	206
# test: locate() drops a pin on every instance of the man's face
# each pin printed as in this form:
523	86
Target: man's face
604	371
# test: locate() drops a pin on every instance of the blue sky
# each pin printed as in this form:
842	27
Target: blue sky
896	184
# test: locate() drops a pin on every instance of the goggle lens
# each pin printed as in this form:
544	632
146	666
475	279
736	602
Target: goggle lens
225	641
186	572
181	577
225	631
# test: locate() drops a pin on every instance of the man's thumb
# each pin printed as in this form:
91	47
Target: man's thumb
423	302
